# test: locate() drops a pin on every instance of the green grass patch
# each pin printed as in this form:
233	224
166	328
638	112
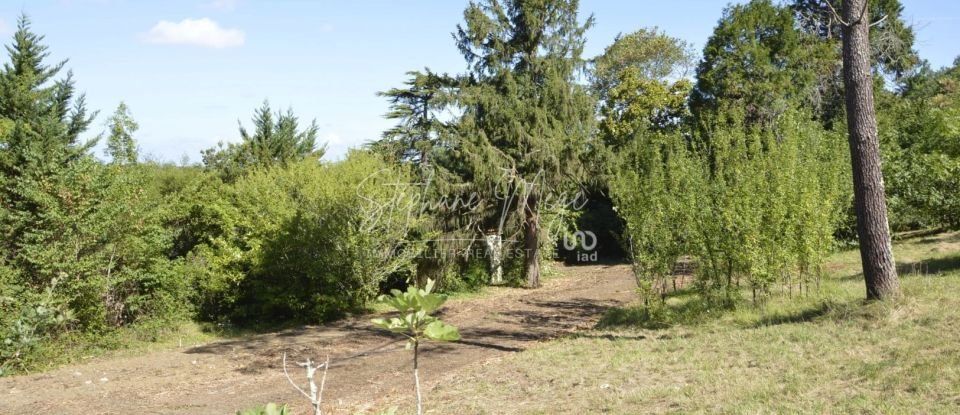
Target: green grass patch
75	347
826	352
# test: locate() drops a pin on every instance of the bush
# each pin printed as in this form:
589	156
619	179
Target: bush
305	242
755	206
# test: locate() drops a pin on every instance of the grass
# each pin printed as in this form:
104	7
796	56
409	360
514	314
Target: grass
74	348
829	352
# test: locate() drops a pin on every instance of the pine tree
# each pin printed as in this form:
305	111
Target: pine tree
276	139
41	143
756	60
121	147
416	109
527	124
46	119
873	230
891	47
280	141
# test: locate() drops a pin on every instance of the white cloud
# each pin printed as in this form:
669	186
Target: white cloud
198	32
5	27
327	28
221	4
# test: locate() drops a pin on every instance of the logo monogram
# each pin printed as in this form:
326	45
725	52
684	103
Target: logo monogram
581	237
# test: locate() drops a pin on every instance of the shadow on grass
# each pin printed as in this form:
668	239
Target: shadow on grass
805	315
933	266
689	309
925	235
927	267
936	237
682	307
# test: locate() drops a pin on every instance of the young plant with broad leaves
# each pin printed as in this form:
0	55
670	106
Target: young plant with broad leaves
416	323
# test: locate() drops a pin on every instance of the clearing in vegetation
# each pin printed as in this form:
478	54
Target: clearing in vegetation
824	352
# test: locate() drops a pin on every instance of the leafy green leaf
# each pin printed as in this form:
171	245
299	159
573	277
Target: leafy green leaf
440	331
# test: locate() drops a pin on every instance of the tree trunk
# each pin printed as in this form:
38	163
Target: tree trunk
531	238
416	375
879	269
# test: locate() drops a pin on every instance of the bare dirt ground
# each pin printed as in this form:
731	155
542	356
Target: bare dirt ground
369	368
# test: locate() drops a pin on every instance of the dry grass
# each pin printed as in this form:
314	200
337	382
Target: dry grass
826	353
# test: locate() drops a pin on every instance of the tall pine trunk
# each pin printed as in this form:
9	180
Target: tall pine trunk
531	238
873	230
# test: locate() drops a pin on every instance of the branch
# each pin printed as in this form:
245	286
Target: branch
315	396
836	15
291	380
323	381
879	21
863	11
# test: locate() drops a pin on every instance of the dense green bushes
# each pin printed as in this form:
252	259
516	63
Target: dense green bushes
754	207
96	254
90	246
306	242
920	131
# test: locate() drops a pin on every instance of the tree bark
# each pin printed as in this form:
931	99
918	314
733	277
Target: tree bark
531	238
416	375
873	230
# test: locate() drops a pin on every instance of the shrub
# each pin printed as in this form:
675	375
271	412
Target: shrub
755	206
306	242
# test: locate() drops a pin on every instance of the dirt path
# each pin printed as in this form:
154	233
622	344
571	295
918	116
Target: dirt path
368	367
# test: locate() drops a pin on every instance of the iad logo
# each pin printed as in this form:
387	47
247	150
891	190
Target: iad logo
586	253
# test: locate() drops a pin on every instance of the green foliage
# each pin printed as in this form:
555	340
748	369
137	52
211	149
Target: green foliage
650	52
416	322
306	241
891	38
28	327
417	109
91	231
527	125
636	81
121	147
268	409
920	139
891	46
276	140
652	194
757	62
751	206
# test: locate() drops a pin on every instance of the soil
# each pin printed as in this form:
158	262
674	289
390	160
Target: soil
369	368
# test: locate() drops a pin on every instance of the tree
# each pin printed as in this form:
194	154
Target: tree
417	323
276	140
873	230
416	108
891	46
39	148
423	139
652	53
121	146
757	60
639	81
526	123
920	142
891	39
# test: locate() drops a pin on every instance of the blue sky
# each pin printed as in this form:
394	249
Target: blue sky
190	69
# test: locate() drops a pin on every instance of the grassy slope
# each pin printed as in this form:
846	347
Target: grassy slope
826	353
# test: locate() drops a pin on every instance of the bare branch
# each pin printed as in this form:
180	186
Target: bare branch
291	380
323	381
835	14
879	21
863	12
